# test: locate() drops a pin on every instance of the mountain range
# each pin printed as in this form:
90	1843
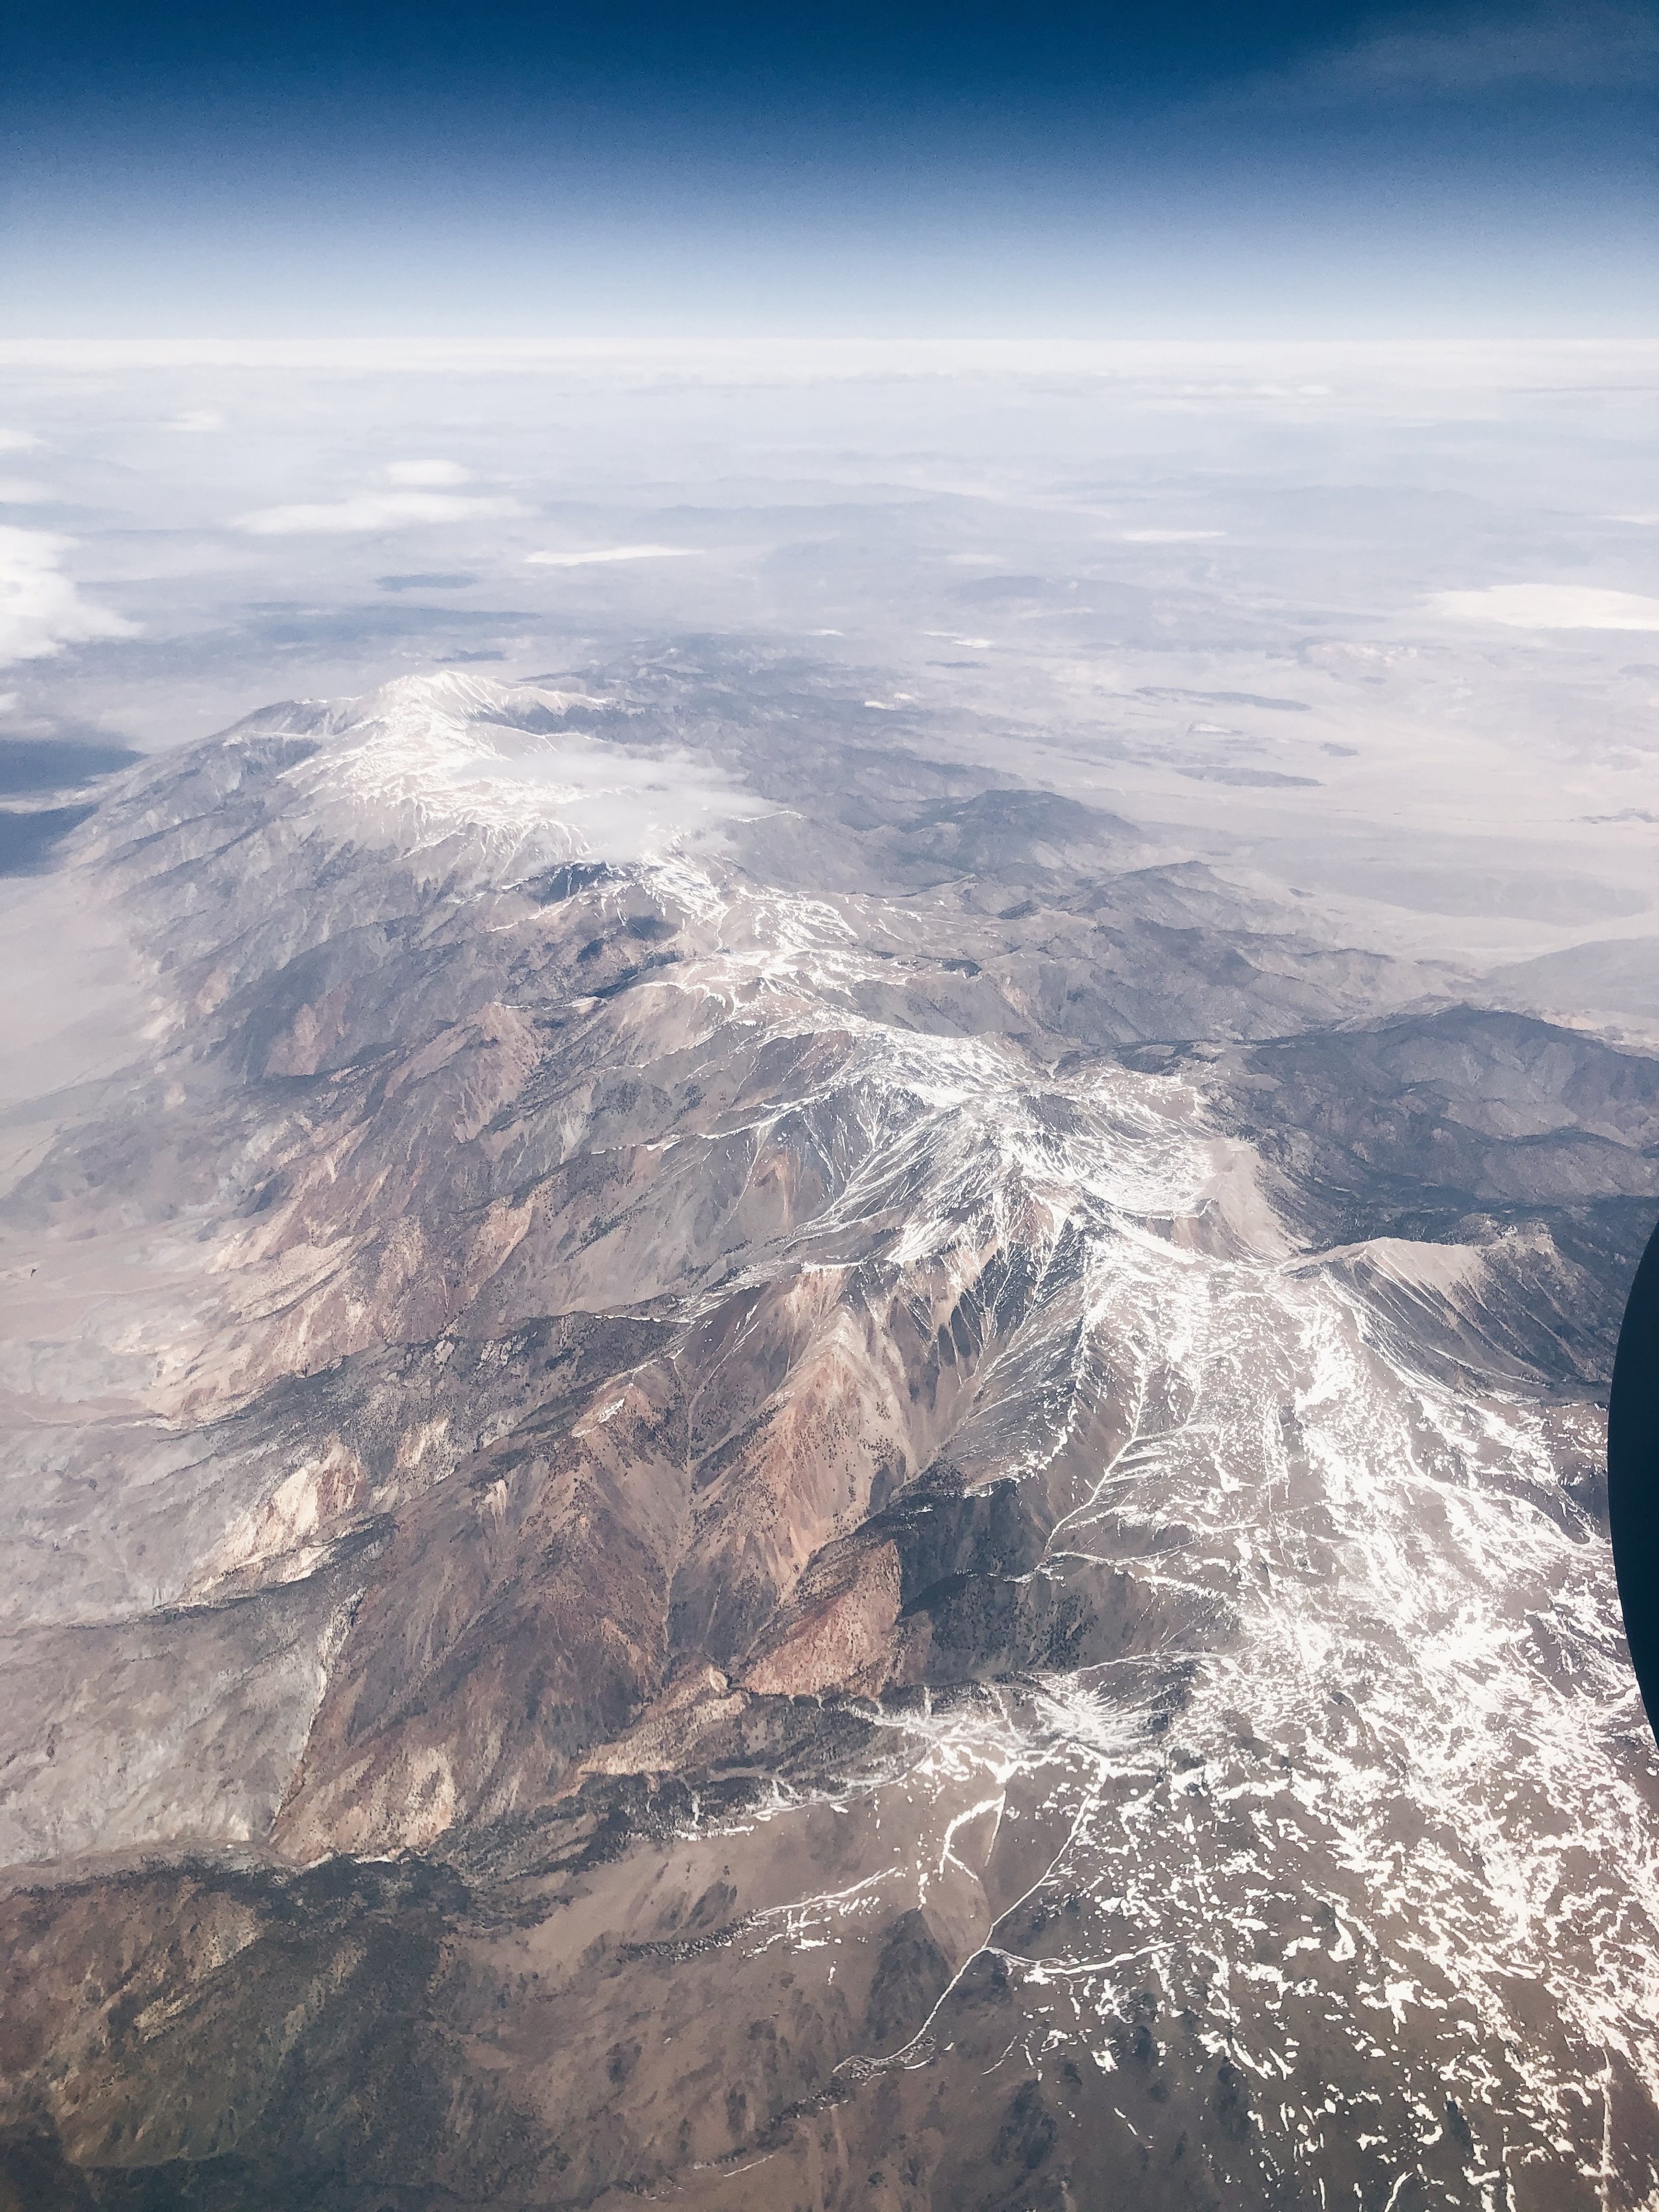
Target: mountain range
754	1469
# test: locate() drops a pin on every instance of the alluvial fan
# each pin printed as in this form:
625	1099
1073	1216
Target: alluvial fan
742	1472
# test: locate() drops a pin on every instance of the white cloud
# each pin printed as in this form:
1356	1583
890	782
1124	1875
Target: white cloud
427	472
22	491
611	553
40	610
371	510
17	442
1552	606
1167	536
621	805
1582	48
200	419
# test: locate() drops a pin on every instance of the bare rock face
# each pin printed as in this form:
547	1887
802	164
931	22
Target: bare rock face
732	1473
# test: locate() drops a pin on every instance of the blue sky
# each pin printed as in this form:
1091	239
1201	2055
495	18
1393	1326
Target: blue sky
1056	169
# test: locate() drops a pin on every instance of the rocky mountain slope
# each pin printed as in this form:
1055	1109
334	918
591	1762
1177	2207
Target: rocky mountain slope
745	1471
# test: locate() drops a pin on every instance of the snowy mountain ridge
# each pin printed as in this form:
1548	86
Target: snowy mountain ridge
806	1507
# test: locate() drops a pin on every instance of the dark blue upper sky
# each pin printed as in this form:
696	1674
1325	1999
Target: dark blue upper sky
1050	167
1137	47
